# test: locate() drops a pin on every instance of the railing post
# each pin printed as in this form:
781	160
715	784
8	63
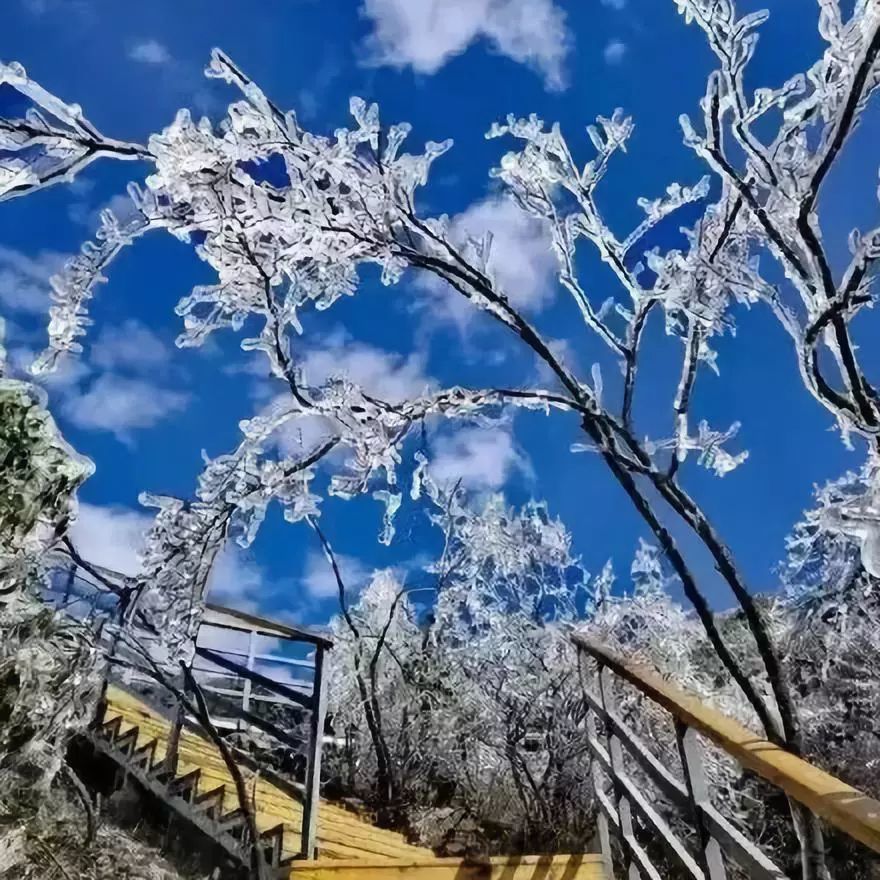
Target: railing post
601	818
313	770
698	794
68	587
615	753
246	693
169	762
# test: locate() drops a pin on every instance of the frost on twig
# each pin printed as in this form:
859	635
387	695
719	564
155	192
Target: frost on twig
287	219
74	286
708	444
842	530
51	143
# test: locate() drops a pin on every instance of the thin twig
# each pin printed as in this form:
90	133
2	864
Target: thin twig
48	851
82	793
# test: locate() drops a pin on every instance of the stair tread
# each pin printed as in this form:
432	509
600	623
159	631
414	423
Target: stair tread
341	833
342	849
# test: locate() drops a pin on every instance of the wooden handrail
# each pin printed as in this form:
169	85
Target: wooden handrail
845	807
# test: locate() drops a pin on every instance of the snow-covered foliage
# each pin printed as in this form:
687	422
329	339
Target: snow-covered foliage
50	669
39	476
50	680
477	699
841	534
38	481
287	218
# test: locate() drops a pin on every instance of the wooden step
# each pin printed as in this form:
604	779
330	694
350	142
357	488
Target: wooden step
126	742
186	786
212	790
210	802
560	867
110	727
144	755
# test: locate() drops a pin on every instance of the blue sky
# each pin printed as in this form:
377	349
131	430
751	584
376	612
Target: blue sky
143	410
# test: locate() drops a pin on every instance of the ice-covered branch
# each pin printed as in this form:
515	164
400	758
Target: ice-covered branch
780	184
74	287
52	143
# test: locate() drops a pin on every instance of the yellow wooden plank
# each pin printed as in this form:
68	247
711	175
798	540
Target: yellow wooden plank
362	839
351	848
341	832
840	804
562	867
336	849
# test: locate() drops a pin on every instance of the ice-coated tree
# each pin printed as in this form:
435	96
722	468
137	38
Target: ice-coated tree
472	684
286	243
50	670
830	626
38	481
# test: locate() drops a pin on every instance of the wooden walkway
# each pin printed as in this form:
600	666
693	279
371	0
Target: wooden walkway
202	790
722	843
348	846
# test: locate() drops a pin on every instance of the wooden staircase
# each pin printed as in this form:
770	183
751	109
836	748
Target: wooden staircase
201	790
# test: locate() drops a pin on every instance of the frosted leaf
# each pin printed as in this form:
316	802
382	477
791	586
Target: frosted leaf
391	500
367	118
397	134
707	443
418	476
596	372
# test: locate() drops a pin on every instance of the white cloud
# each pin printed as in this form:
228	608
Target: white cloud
481	457
121	405
129	345
521	258
614	52
388	375
79	12
66	376
110	536
149	52
236	581
385	374
24	279
93	394
82	211
425	34
320	582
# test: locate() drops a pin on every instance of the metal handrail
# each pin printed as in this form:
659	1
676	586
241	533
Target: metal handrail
251	675
851	811
88	599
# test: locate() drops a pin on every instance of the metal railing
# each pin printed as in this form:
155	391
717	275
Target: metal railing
247	685
79	596
719	841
